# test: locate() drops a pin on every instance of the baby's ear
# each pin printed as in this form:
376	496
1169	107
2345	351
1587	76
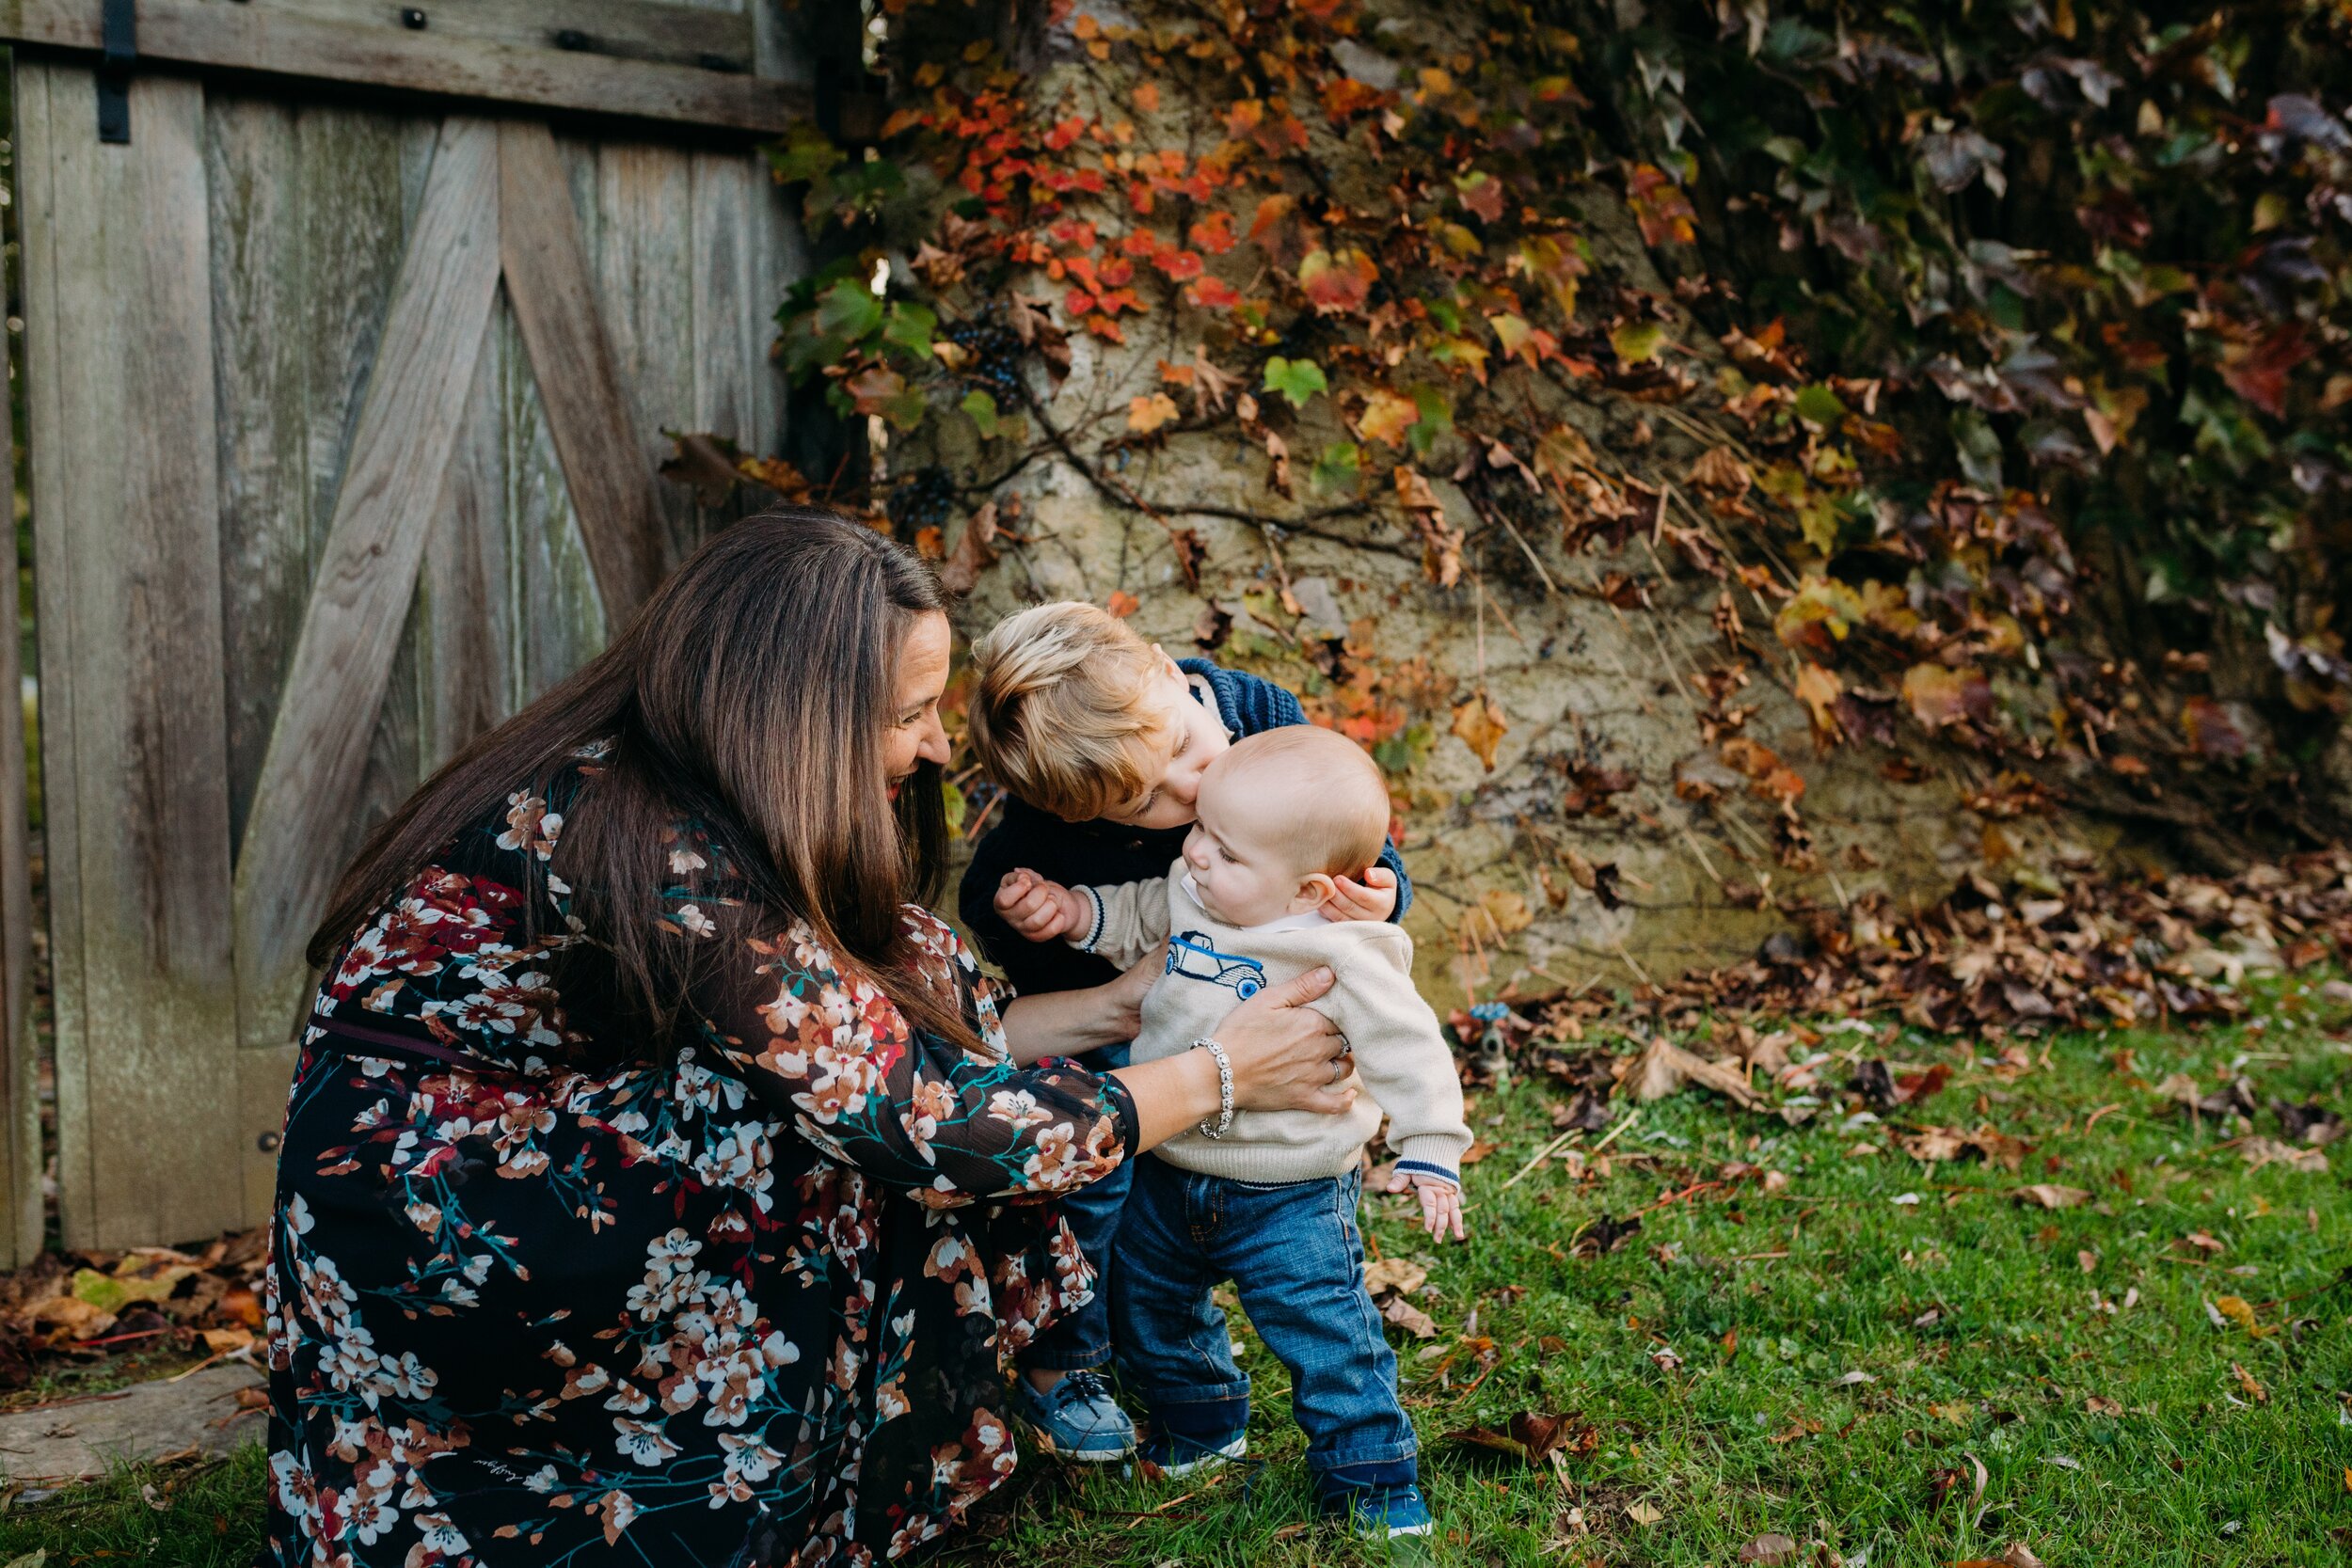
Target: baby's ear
1314	890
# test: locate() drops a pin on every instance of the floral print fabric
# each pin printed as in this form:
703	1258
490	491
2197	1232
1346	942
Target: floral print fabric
749	1307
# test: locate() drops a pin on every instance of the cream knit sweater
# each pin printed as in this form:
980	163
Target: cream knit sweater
1403	1064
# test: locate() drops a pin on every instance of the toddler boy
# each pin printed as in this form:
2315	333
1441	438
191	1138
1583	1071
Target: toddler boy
1099	739
1269	1199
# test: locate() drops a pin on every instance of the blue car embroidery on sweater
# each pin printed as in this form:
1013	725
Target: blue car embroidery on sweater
1190	956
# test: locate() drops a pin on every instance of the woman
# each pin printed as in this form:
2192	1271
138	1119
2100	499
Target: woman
660	1183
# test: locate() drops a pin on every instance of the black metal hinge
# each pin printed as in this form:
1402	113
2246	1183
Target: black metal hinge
119	45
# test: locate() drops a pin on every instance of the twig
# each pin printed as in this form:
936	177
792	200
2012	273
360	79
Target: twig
1541	1155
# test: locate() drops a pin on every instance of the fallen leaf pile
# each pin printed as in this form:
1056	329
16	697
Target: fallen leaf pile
77	1305
2045	951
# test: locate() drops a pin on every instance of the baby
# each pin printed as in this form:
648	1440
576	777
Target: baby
1268	1199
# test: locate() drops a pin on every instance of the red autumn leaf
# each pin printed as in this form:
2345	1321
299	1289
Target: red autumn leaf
1267	225
1124	604
1482	193
1658	206
1214	233
1211	293
1065	133
1337	283
2258	373
1178	264
2212	730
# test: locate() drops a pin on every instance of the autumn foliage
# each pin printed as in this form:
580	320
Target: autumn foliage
2011	339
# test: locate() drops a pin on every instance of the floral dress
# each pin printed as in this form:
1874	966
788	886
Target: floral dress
749	1307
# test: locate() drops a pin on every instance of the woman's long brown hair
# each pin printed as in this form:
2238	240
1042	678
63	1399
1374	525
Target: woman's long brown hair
750	694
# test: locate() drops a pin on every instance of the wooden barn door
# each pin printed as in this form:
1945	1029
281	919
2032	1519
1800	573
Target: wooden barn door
344	421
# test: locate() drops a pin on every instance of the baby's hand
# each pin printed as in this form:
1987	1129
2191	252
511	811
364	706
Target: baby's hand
1440	1204
1038	910
1374	898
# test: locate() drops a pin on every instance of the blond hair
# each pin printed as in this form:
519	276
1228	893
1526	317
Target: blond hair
1064	711
1313	791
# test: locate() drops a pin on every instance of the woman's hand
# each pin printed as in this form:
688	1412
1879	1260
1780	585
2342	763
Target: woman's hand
1286	1055
1374	898
1124	996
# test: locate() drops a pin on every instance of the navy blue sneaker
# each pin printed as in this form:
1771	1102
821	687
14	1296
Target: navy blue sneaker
1173	1454
1382	1512
1076	1419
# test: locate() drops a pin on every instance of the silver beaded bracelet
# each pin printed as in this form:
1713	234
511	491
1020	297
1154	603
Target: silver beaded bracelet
1224	1091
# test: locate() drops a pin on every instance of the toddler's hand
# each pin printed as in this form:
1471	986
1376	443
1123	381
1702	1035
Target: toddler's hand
1038	910
1440	1204
1374	898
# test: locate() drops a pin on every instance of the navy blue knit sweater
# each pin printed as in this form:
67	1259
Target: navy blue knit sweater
1081	853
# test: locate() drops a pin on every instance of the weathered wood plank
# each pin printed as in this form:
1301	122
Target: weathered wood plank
644	279
384	53
126	519
308	233
465	591
19	1055
729	357
558	615
399	459
555	305
651	30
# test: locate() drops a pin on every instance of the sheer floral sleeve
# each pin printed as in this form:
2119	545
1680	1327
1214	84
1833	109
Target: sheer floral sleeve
829	1052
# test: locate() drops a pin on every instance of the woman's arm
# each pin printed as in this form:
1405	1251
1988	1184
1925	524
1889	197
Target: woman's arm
826	1050
1281	1049
1065	1023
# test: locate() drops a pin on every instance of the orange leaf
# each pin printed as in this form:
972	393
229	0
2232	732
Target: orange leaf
1147	98
1387	416
1939	697
1147	414
1124	604
1819	690
1481	725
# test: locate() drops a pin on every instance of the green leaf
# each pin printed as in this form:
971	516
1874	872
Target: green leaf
1297	380
952	799
1437	419
805	153
910	327
982	407
906	410
1638	342
1820	407
848	310
1338	467
1980	448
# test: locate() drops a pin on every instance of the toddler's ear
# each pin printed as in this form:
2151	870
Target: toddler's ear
1314	890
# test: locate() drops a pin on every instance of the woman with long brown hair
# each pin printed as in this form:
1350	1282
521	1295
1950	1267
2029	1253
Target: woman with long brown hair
662	1182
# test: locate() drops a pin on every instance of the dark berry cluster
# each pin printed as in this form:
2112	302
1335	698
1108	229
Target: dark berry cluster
994	363
925	499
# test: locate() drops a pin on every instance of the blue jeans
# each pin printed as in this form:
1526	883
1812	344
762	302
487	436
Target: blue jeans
1083	1338
1295	1258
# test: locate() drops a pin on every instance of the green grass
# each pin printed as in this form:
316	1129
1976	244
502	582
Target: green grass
210	1517
1822	1279
1764	1437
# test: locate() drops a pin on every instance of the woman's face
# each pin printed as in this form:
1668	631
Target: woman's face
912	732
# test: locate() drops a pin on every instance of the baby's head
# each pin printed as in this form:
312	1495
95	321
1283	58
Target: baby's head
1077	714
1281	814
